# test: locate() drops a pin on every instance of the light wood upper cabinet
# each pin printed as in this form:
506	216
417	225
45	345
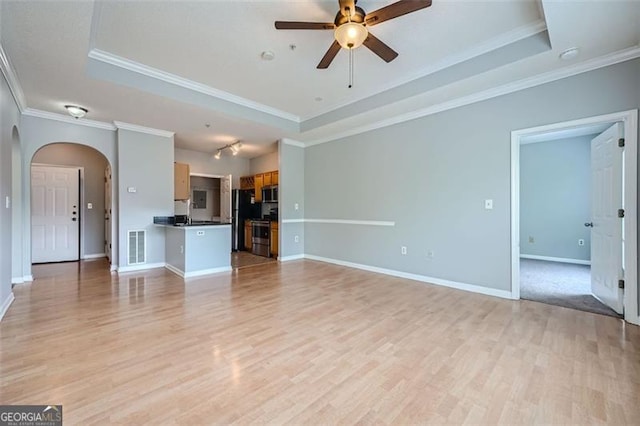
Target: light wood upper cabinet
181	182
274	178
266	179
258	183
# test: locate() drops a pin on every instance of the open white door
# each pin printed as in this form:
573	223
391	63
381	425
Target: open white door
225	199
606	226
55	212
107	212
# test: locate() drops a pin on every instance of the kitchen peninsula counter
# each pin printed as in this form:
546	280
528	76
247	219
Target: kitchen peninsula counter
198	249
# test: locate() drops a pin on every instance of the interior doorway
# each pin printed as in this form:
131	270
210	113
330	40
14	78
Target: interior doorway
574	214
68	204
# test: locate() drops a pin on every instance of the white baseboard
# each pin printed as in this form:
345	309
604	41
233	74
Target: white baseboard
17	280
143	267
5	305
183	274
114	267
504	294
94	256
288	258
27	278
555	259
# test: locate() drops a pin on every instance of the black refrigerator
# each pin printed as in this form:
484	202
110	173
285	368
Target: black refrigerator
242	209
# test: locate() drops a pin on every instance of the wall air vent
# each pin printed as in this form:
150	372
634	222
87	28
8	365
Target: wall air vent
137	246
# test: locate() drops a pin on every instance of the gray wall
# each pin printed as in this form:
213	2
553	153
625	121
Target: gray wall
94	163
264	163
555	198
431	176
291	191
201	162
146	164
9	119
38	132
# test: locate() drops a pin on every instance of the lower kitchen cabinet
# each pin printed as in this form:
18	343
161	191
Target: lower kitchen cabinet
274	239
247	235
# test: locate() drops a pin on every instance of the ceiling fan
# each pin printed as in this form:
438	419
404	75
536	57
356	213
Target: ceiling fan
351	27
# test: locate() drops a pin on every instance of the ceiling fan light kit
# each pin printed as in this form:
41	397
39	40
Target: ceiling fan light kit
351	28
351	35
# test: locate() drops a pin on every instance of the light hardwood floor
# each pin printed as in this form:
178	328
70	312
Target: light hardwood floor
307	343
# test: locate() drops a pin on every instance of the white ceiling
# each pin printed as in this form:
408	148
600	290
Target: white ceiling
176	65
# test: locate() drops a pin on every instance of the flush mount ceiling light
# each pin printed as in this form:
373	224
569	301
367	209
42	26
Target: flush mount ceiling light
569	54
76	111
233	147
268	55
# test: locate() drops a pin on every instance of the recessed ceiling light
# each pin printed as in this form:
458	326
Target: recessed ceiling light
569	54
76	111
268	55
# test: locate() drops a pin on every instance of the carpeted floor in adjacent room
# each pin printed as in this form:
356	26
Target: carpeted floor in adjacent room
561	284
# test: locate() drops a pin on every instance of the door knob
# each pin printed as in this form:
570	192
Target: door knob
589	224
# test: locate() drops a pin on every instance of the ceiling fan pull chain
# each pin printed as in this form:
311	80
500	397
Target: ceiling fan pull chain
350	68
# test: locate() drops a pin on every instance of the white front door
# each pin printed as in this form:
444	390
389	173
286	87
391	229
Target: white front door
107	212
606	230
55	214
225	199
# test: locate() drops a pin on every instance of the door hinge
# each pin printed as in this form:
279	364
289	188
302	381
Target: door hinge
621	284
621	142
620	212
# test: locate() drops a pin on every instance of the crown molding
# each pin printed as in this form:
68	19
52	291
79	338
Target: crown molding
31	112
118	61
526	83
502	40
141	129
12	80
292	142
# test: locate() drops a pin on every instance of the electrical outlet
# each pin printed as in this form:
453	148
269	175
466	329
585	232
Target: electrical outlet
531	240
580	242
89	206
296	206
296	239
7	202
403	250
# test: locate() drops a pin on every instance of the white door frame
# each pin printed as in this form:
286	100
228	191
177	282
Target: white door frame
630	124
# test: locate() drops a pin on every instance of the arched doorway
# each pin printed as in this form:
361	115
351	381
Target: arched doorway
17	273
84	233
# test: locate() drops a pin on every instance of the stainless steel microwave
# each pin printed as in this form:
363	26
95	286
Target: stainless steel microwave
270	194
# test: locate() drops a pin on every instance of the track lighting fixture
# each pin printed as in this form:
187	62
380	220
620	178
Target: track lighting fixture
233	147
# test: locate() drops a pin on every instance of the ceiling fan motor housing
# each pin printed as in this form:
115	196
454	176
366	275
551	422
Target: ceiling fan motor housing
358	17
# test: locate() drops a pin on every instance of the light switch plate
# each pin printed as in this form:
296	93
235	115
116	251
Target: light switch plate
7	202
488	204
89	206
131	189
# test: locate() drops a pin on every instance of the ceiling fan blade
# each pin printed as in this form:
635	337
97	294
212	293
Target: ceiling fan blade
288	25
394	10
328	57
350	4
379	48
